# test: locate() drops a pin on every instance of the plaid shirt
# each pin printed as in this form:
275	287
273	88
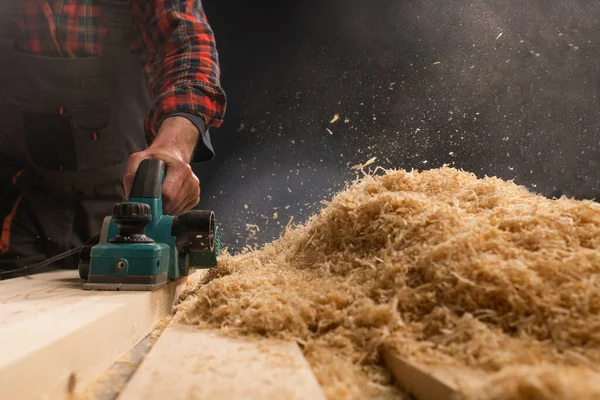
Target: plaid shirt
174	35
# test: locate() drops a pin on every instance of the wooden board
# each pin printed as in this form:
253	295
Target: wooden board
415	380
188	363
112	382
429	382
55	337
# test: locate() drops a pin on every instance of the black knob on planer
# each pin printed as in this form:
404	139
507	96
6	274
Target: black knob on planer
131	219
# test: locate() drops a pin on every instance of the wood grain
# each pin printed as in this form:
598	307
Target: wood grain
188	363
55	337
430	382
415	380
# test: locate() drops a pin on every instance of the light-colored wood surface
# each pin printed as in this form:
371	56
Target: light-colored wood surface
422	384
427	382
56	338
110	384
188	363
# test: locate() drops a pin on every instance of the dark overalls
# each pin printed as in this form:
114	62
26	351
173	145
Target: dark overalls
67	127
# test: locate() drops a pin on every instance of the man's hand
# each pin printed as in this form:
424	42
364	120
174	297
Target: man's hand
174	145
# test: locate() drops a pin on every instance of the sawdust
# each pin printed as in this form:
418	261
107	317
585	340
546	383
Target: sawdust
546	381
448	269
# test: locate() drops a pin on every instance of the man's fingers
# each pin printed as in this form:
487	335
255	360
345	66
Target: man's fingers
195	200
180	188
187	197
189	206
178	205
173	207
177	176
171	188
191	197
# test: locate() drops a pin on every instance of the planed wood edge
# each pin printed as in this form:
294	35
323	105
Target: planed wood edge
86	336
414	379
113	381
187	362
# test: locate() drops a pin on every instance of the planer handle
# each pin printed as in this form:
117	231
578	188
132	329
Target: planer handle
147	183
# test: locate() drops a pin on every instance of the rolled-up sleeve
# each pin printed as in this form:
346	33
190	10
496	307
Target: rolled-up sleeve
183	62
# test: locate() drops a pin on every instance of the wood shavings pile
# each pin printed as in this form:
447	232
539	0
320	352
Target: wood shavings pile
448	269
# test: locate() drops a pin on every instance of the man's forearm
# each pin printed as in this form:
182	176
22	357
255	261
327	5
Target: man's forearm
204	149
184	82
178	134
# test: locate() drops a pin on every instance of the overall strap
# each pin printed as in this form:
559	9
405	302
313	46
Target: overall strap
118	19
8	10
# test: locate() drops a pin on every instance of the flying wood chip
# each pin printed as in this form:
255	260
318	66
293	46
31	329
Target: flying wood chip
361	166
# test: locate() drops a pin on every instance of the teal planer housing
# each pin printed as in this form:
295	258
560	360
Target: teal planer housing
139	248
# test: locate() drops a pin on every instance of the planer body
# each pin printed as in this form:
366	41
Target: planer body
139	248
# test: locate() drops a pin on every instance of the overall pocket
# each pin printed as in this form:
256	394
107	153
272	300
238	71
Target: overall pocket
49	141
96	146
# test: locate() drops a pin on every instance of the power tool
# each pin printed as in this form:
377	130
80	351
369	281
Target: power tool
139	248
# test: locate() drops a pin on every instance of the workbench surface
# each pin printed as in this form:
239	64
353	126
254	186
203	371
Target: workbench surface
61	337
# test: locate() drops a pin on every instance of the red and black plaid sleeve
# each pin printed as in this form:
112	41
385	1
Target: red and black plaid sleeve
177	39
183	61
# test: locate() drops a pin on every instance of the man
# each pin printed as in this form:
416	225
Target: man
90	88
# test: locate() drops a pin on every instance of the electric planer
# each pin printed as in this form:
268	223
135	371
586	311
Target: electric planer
139	248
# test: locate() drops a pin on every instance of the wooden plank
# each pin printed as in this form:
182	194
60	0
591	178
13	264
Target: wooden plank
55	337
110	384
415	380
188	363
429	382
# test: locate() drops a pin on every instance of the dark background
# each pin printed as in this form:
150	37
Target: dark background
507	88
